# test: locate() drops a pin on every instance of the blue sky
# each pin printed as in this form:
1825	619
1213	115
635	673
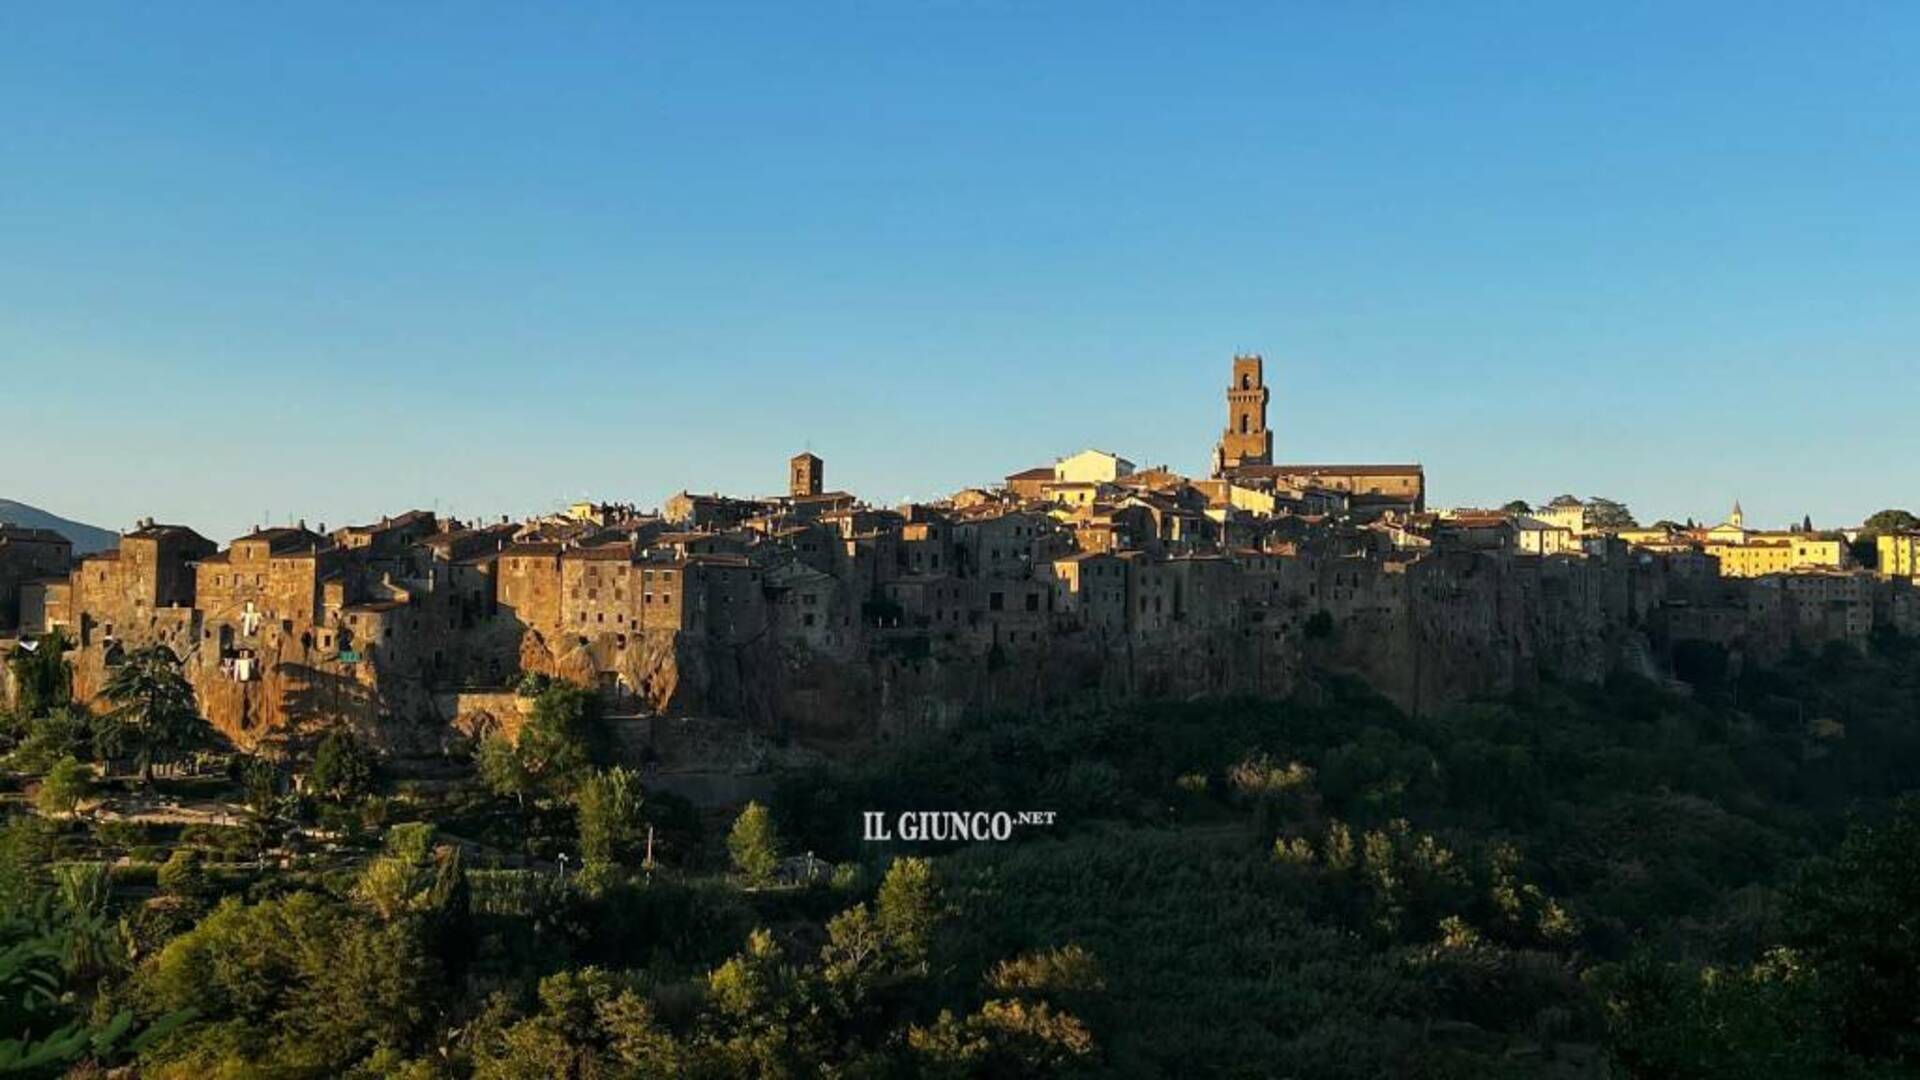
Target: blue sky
259	262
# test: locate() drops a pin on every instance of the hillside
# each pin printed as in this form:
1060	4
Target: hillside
86	538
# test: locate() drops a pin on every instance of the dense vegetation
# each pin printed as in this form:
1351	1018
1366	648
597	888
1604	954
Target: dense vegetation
1578	881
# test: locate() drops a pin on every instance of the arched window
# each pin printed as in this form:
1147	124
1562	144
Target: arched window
1246	381
1244	422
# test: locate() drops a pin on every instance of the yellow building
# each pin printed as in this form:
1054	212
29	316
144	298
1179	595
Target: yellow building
1899	554
1745	552
1572	517
1091	467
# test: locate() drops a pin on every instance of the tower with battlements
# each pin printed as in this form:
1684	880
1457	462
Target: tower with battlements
1246	440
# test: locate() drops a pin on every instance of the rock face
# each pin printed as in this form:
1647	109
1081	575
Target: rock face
1424	632
886	627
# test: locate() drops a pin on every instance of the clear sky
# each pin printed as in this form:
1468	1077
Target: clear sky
333	260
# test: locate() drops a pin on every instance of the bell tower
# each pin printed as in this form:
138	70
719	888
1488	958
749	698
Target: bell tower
806	475
1246	440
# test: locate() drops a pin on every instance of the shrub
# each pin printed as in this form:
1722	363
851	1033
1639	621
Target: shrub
183	875
64	786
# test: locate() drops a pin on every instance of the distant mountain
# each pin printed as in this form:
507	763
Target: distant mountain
86	538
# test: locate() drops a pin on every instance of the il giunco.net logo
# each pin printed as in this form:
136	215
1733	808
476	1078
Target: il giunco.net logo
948	826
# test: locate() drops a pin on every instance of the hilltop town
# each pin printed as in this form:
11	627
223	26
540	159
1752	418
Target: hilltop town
815	614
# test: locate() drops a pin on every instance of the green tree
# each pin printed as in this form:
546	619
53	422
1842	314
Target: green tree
64	786
153	716
1517	506
608	806
343	768
591	1023
764	1019
412	875
1891	521
754	845
1851	920
43	677
260	780
502	769
855	953
1670	1020
59	732
296	985
908	909
1003	1038
557	747
1605	513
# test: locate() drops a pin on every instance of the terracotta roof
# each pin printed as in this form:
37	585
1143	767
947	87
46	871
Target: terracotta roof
1044	472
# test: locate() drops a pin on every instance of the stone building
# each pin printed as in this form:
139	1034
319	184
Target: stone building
123	591
28	555
1030	484
814	612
